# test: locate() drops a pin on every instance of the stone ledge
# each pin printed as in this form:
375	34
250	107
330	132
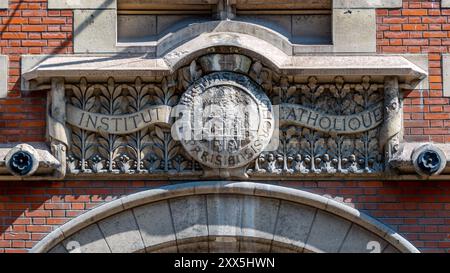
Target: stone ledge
81	4
122	66
369	4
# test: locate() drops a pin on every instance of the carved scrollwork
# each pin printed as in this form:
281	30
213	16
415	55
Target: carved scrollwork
326	128
314	151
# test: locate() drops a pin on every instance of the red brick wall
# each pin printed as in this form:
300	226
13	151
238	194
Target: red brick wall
420	27
27	27
418	210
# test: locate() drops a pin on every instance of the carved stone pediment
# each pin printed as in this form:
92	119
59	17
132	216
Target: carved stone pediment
228	116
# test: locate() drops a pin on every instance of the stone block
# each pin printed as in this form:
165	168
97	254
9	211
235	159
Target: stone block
224	215
360	4
421	60
278	23
58	249
391	249
136	28
259	217
446	73
354	30
155	223
223	245
3	76
311	29
250	246
359	240
445	4
95	31
28	62
195	247
4	4
189	217
121	233
89	239
81	4
294	223
328	232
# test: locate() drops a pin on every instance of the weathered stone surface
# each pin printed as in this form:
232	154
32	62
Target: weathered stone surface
189	217
311	29
446	71
155	223
101	67
259	217
90	240
136	27
445	4
81	4
294	223
421	60
280	24
58	249
391	249
248	245
225	62
224	215
354	30
95	31
327	232
4	5
193	247
357	4
223	244
3	76
122	233
359	240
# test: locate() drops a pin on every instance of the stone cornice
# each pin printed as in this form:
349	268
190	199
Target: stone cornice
102	67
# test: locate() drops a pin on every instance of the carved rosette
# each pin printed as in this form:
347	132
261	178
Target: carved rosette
322	128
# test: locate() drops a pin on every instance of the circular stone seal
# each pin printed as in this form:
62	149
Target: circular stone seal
226	120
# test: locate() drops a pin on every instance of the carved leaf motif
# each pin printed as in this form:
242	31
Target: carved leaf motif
76	98
347	147
158	97
159	132
173	149
103	147
77	142
332	144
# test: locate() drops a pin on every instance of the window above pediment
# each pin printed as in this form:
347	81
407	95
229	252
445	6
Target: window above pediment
301	22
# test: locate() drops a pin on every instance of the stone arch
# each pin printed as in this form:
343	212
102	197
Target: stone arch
256	41
224	216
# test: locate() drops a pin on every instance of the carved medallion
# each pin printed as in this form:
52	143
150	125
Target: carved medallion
227	120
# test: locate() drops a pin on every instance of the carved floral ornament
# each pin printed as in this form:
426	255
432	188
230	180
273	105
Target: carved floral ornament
226	115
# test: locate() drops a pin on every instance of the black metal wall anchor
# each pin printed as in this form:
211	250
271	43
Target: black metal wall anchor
429	161
21	163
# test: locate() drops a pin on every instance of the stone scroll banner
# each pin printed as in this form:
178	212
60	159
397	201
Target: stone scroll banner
289	113
118	124
342	124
